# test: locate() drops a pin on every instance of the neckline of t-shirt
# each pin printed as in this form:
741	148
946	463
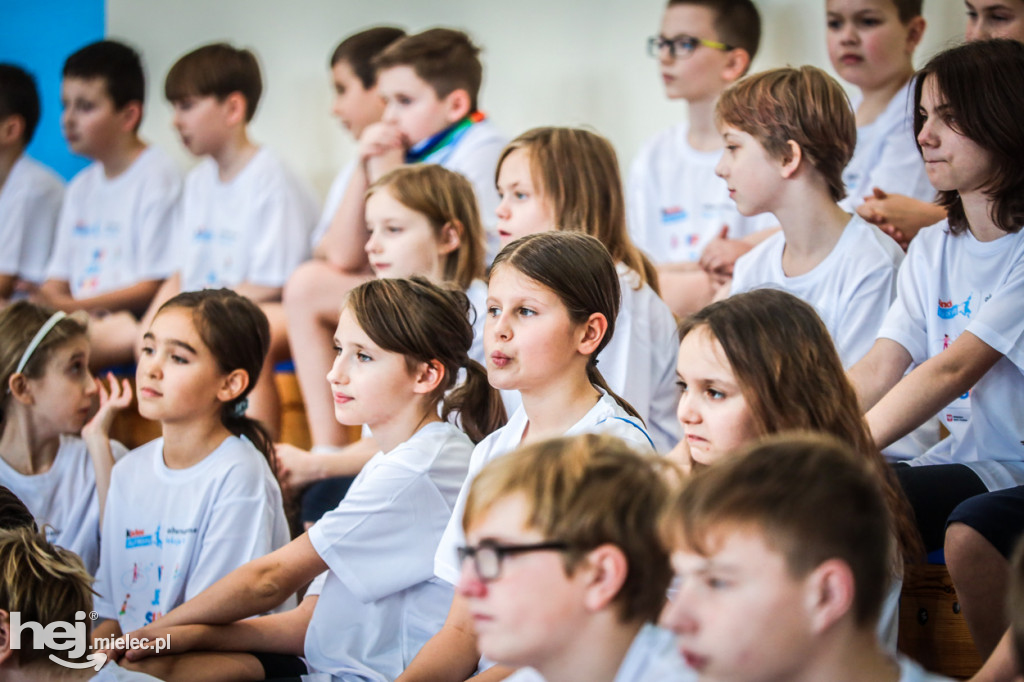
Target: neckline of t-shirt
197	469
60	463
976	247
812	273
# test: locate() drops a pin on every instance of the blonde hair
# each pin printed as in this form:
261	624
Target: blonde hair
578	172
445	198
587	491
803	105
44	584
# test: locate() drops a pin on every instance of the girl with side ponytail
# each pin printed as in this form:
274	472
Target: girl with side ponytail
188	508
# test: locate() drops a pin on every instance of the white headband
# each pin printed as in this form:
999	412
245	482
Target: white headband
38	338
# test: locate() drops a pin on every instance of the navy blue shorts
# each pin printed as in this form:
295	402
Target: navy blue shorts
998	516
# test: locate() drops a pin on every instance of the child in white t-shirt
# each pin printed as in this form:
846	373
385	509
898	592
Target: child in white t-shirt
30	193
114	239
401	345
568	179
563	568
871	45
789	133
957	312
191	506
781	555
47	395
679	212
552	304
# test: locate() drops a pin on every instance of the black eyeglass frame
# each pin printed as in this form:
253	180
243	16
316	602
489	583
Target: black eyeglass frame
682	46
501	551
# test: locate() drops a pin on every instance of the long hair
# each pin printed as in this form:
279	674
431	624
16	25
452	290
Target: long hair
238	335
579	270
426	322
577	171
791	377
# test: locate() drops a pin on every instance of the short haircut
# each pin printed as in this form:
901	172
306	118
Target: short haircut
803	104
809	496
1015	603
44	584
118	65
908	9
444	58
737	22
587	491
13	512
360	49
980	85
19	97
216	70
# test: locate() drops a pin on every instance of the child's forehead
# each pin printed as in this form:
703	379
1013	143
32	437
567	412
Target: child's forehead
731	545
93	87
507	517
401	77
852	6
689	19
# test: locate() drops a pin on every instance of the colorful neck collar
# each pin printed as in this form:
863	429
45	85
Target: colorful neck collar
447	138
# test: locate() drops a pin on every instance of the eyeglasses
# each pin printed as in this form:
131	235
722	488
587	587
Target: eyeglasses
488	555
681	46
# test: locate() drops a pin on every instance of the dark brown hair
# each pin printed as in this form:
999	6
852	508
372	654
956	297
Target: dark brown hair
980	84
737	22
426	322
360	49
444	58
216	70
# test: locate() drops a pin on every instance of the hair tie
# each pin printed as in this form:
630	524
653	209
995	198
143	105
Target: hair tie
240	407
38	338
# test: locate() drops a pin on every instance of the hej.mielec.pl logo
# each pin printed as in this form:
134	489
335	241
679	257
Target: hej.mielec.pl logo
73	638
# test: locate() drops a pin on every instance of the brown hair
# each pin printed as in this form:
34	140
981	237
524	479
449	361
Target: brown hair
810	497
792	378
238	335
579	270
578	172
19	322
587	491
13	512
444	198
908	9
426	322
444	58
216	70
737	22
360	49
43	584
803	105
980	85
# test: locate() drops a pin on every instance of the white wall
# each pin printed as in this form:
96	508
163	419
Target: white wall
546	62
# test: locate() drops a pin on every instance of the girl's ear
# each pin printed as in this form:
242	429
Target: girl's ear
605	570
233	384
457	105
450	238
792	163
429	376
592	331
19	388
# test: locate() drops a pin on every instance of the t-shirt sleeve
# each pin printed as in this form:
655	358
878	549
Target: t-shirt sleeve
864	313
1000	323
281	240
157	226
905	323
381	538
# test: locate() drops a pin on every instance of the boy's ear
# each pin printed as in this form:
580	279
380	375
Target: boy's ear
235	106
606	569
457	105
11	130
450	238
829	594
593	330
233	384
429	376
915	31
794	156
736	65
131	115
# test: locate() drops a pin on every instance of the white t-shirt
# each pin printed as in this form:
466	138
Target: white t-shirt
606	416
851	289
952	284
676	204
64	498
114	233
334	196
30	201
183	529
639	363
252	229
886	156
381	601
652	656
112	672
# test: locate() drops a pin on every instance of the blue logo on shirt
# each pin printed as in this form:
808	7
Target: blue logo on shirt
947	310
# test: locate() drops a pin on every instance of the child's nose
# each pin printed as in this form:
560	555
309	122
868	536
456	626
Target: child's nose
470	584
502	209
372	244
721	169
685	411
676	618
336	375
